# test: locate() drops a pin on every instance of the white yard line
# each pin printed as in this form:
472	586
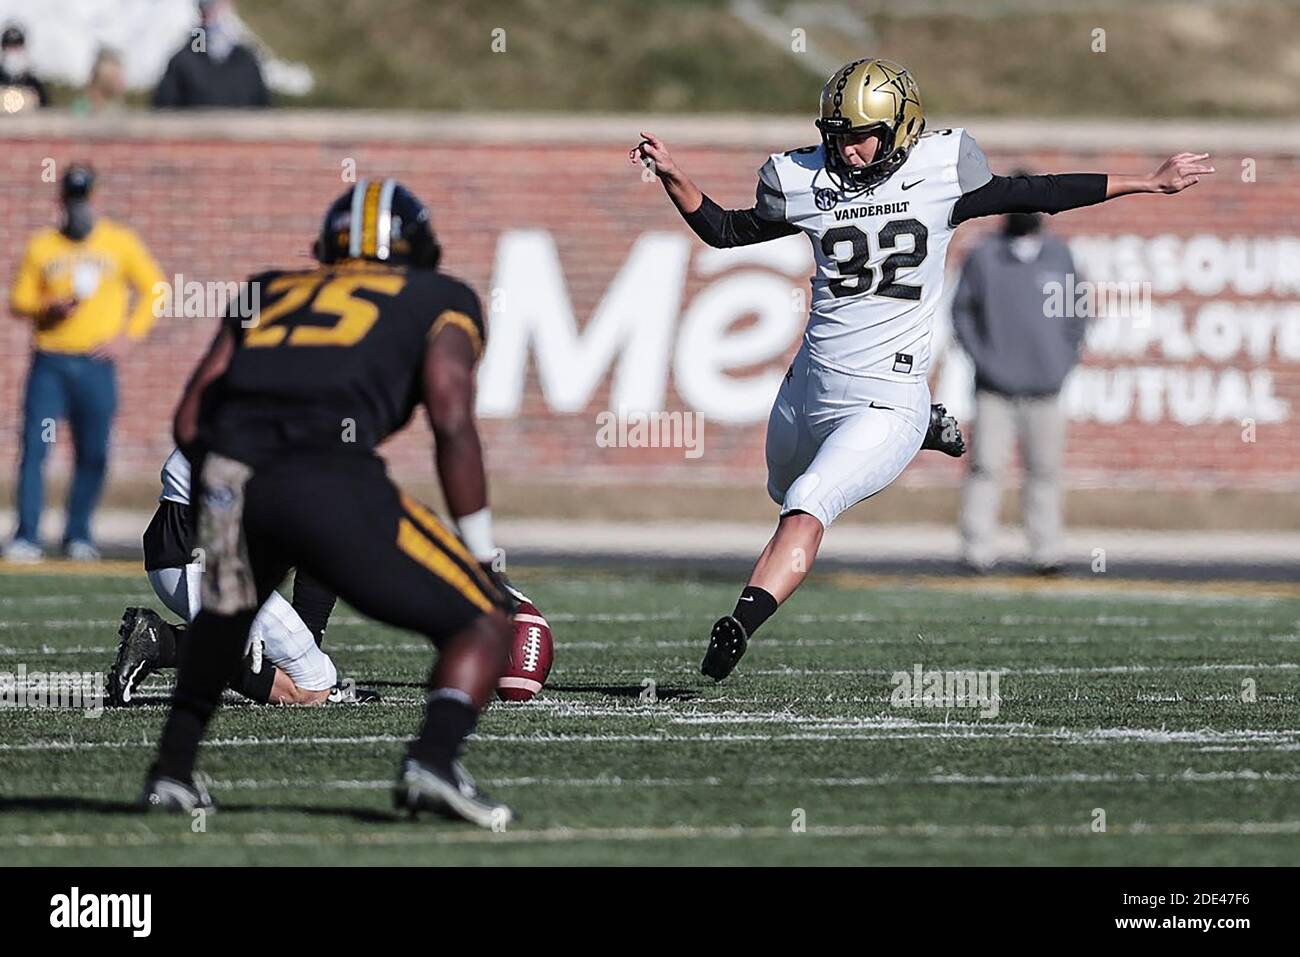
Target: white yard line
135	598
941	780
566	835
62	623
637	643
857	729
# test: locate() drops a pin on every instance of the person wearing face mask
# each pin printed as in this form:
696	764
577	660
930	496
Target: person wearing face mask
213	70
75	283
1021	356
16	70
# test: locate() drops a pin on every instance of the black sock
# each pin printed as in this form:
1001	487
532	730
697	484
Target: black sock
754	607
449	717
313	602
170	639
255	687
206	663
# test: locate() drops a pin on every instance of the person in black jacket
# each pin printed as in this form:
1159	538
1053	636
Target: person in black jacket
15	67
214	69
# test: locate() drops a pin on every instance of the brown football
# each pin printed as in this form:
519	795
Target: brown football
531	652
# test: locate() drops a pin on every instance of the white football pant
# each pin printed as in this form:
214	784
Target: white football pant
835	439
288	642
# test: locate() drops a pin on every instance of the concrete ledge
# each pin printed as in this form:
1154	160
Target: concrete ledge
1079	135
867	543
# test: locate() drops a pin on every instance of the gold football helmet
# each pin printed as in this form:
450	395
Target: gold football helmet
870	96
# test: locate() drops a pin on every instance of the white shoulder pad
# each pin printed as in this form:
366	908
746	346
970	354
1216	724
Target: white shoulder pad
972	166
769	198
954	156
176	479
794	173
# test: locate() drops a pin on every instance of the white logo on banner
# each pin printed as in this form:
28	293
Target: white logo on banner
1184	362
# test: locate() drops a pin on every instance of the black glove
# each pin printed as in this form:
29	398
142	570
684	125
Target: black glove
514	597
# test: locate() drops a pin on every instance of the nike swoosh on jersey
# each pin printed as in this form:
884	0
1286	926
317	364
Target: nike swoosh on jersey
907	186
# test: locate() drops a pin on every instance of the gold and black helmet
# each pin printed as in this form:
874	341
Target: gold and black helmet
380	220
871	96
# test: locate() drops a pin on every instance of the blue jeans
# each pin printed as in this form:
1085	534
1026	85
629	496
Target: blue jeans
82	391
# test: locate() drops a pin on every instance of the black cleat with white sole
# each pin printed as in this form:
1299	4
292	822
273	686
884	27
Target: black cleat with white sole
145	643
422	787
727	644
162	793
347	692
944	434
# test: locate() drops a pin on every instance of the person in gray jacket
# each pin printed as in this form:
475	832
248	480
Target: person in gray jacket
1022	354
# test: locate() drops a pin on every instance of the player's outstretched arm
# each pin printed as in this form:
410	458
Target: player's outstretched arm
652	153
1180	171
721	228
1057	192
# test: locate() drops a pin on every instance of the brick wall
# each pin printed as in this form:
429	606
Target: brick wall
214	202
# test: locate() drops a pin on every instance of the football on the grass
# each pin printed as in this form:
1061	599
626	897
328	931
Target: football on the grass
531	654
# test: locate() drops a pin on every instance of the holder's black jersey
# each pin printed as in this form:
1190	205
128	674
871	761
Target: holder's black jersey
332	360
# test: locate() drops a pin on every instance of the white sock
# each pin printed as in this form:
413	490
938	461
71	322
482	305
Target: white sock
194	588
291	647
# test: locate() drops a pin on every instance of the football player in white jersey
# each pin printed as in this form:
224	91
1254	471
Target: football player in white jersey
879	199
297	671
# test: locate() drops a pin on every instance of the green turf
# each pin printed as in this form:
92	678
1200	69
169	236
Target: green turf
1128	701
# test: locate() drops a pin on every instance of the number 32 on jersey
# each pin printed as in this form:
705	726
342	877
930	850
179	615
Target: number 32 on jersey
862	271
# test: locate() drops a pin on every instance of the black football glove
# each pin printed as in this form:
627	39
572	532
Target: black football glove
944	434
514	597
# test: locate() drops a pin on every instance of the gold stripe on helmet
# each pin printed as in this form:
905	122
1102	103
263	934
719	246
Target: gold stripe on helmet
370	219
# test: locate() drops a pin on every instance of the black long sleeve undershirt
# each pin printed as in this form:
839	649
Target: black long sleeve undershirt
1052	193
724	228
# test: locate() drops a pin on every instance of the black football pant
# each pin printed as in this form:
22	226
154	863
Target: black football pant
169	543
345	524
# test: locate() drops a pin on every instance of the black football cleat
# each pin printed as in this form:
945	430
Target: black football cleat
145	644
347	692
421	787
727	644
944	434
162	793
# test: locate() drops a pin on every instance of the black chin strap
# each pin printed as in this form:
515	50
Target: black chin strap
843	175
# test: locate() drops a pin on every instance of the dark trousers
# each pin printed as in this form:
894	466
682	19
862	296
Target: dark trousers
82	392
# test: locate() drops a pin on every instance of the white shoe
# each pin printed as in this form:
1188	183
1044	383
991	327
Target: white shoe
81	552
21	551
978	566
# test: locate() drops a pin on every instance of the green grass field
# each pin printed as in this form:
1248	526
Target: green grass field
1125	698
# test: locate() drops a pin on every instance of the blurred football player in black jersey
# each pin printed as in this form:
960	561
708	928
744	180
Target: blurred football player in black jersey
281	420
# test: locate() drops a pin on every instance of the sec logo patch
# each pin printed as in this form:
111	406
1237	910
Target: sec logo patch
826	199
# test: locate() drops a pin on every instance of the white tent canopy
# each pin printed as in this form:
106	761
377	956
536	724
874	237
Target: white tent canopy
63	37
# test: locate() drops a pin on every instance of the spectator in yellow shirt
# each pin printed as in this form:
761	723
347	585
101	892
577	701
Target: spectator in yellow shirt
76	283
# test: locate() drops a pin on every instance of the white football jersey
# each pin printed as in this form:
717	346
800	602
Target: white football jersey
176	479
879	252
